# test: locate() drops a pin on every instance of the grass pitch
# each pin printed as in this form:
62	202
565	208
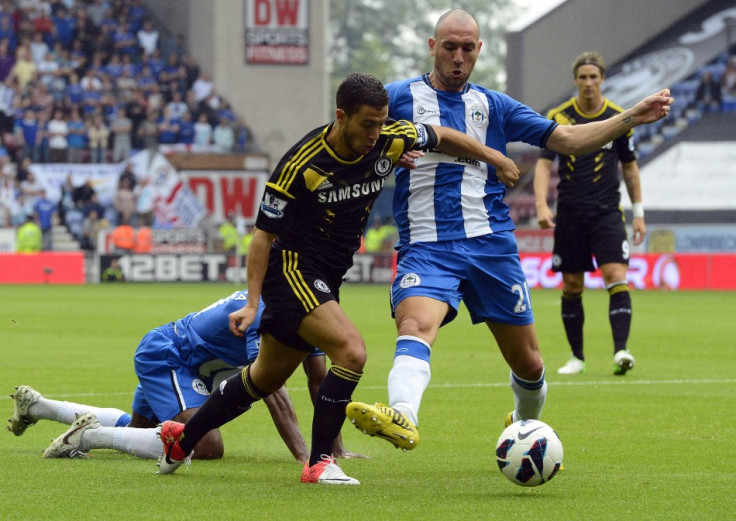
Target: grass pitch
655	444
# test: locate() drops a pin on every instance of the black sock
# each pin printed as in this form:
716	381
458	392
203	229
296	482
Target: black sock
329	409
231	399
573	318
619	313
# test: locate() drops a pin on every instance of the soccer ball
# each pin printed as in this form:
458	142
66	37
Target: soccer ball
529	453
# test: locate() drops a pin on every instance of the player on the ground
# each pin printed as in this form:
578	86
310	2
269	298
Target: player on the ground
177	365
589	220
309	226
456	239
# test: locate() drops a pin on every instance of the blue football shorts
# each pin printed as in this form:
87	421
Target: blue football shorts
483	272
166	385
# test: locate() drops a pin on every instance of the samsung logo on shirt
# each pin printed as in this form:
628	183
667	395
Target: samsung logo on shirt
350	192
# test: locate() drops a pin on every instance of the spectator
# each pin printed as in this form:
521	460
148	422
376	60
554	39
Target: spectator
38	48
76	137
91	228
708	95
176	106
129	175
123	238
48	69
148	131
7	60
143	240
42	138
186	129
121	128
27	134
97	134
32	189
145	202
82	194
202	131
66	202
203	88
223	136
58	131
113	273
28	237
147	38
174	45
24	68
168	128
728	80
135	109
46	214
228	234
8	93
124	202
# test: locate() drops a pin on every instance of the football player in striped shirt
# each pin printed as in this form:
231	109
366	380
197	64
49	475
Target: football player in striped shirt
456	238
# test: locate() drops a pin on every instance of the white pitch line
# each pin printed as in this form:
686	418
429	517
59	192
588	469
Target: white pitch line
628	381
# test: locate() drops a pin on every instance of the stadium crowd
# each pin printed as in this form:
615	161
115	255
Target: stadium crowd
93	81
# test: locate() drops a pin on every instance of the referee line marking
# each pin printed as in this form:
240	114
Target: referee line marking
476	385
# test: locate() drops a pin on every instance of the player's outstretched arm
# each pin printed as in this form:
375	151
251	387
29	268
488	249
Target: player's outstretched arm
256	263
581	139
284	418
458	144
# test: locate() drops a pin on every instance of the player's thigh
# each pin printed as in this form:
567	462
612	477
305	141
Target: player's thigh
328	327
609	241
168	391
428	271
571	251
274	364
496	287
211	446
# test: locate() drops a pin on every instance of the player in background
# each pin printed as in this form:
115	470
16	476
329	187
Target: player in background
590	221
177	365
456	239
310	222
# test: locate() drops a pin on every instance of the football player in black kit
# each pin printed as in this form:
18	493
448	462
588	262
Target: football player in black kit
589	220
312	216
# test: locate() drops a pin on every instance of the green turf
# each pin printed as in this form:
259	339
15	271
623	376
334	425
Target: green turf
655	444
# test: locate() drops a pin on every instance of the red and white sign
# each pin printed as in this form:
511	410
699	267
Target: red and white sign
277	32
223	192
670	271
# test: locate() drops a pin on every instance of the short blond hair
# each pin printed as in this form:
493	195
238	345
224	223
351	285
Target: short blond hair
589	58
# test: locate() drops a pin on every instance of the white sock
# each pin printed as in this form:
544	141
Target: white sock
143	443
66	412
407	381
529	397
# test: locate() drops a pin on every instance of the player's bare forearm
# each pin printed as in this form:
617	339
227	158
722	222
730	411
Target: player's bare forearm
458	144
284	418
581	139
256	264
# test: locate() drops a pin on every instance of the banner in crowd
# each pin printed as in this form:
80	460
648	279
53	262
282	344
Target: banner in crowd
104	177
277	32
176	205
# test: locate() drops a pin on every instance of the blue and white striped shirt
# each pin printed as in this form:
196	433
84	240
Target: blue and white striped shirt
445	197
